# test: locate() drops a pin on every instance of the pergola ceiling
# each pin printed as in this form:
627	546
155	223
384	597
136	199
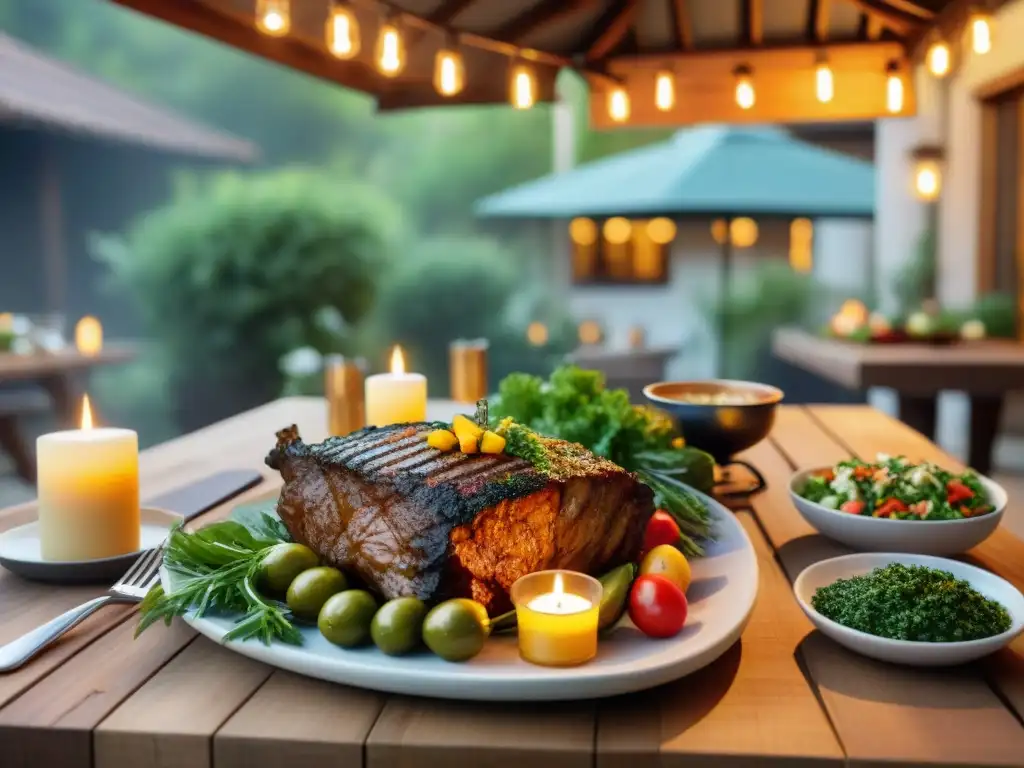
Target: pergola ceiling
611	42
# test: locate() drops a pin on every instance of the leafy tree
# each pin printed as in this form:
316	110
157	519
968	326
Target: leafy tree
241	269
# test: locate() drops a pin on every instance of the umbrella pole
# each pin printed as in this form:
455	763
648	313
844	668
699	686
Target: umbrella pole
725	282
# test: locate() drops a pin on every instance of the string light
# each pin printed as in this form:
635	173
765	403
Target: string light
664	91
980	30
894	89
449	71
927	180
938	58
618	105
523	86
342	31
744	88
390	50
824	84
273	17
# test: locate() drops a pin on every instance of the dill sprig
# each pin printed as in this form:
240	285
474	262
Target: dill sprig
215	569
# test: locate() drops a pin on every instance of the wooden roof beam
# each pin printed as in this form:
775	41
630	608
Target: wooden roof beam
684	28
542	15
751	21
610	28
817	20
888	15
442	16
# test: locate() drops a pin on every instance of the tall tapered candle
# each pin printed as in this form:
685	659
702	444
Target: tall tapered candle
396	397
88	487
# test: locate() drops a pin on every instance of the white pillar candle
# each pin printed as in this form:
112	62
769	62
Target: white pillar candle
396	397
88	486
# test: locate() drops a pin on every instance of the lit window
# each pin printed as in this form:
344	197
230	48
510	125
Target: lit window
744	232
621	250
801	245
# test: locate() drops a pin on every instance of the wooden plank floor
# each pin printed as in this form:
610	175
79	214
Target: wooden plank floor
782	696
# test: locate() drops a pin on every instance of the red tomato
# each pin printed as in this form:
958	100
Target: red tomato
853	507
957	491
661	529
657	606
887	507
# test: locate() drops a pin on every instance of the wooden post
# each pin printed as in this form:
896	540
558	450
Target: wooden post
51	219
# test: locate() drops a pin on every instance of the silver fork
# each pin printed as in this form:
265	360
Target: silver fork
130	588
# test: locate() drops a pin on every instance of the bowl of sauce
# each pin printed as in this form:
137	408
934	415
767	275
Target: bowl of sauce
720	416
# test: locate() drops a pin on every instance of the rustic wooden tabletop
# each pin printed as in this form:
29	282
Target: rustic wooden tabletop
15	367
783	695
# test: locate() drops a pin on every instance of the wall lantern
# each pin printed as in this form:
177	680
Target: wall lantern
927	164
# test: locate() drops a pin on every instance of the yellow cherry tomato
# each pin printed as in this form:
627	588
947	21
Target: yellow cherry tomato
665	560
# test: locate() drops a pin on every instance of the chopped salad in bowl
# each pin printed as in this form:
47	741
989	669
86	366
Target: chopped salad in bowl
897	489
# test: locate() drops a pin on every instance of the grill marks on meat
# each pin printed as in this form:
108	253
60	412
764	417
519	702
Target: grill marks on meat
411	520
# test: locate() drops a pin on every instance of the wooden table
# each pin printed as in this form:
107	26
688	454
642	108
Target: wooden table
59	374
783	695
985	370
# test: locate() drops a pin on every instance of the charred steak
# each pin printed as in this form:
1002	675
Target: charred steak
411	520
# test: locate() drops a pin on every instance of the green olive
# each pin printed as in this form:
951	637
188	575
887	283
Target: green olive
282	564
456	630
345	618
397	626
310	589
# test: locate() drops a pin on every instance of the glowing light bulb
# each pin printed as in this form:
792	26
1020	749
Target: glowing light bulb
273	17
449	72
824	83
524	87
980	27
745	97
938	59
342	32
618	105
390	50
894	92
664	91
927	180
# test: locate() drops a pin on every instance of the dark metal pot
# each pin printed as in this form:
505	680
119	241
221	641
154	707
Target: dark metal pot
721	430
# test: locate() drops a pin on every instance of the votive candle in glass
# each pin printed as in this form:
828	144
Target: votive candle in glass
557	613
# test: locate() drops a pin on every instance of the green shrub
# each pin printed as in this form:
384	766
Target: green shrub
241	269
450	288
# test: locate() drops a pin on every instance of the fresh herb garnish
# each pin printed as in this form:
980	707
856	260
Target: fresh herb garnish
574	405
912	602
216	568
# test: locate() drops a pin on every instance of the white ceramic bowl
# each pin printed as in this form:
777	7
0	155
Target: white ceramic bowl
879	534
915	654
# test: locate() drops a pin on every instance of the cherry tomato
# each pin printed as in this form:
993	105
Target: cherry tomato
957	491
657	606
665	560
888	507
661	529
853	507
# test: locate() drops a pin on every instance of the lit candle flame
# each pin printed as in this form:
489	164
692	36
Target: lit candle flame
397	360
86	413
559	588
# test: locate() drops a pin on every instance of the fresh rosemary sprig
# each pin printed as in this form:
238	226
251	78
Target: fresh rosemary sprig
215	568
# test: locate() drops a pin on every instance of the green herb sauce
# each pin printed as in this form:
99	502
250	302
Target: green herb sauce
912	602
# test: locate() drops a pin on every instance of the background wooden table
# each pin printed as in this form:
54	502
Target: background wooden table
783	695
985	370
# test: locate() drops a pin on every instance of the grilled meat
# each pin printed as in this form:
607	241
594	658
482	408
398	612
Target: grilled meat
410	520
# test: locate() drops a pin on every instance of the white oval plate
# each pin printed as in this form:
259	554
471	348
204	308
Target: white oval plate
878	534
914	654
721	598
20	553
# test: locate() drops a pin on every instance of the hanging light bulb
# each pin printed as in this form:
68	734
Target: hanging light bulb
824	84
341	31
273	17
390	50
664	91
979	27
744	88
618	104
523	93
938	58
894	89
449	71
